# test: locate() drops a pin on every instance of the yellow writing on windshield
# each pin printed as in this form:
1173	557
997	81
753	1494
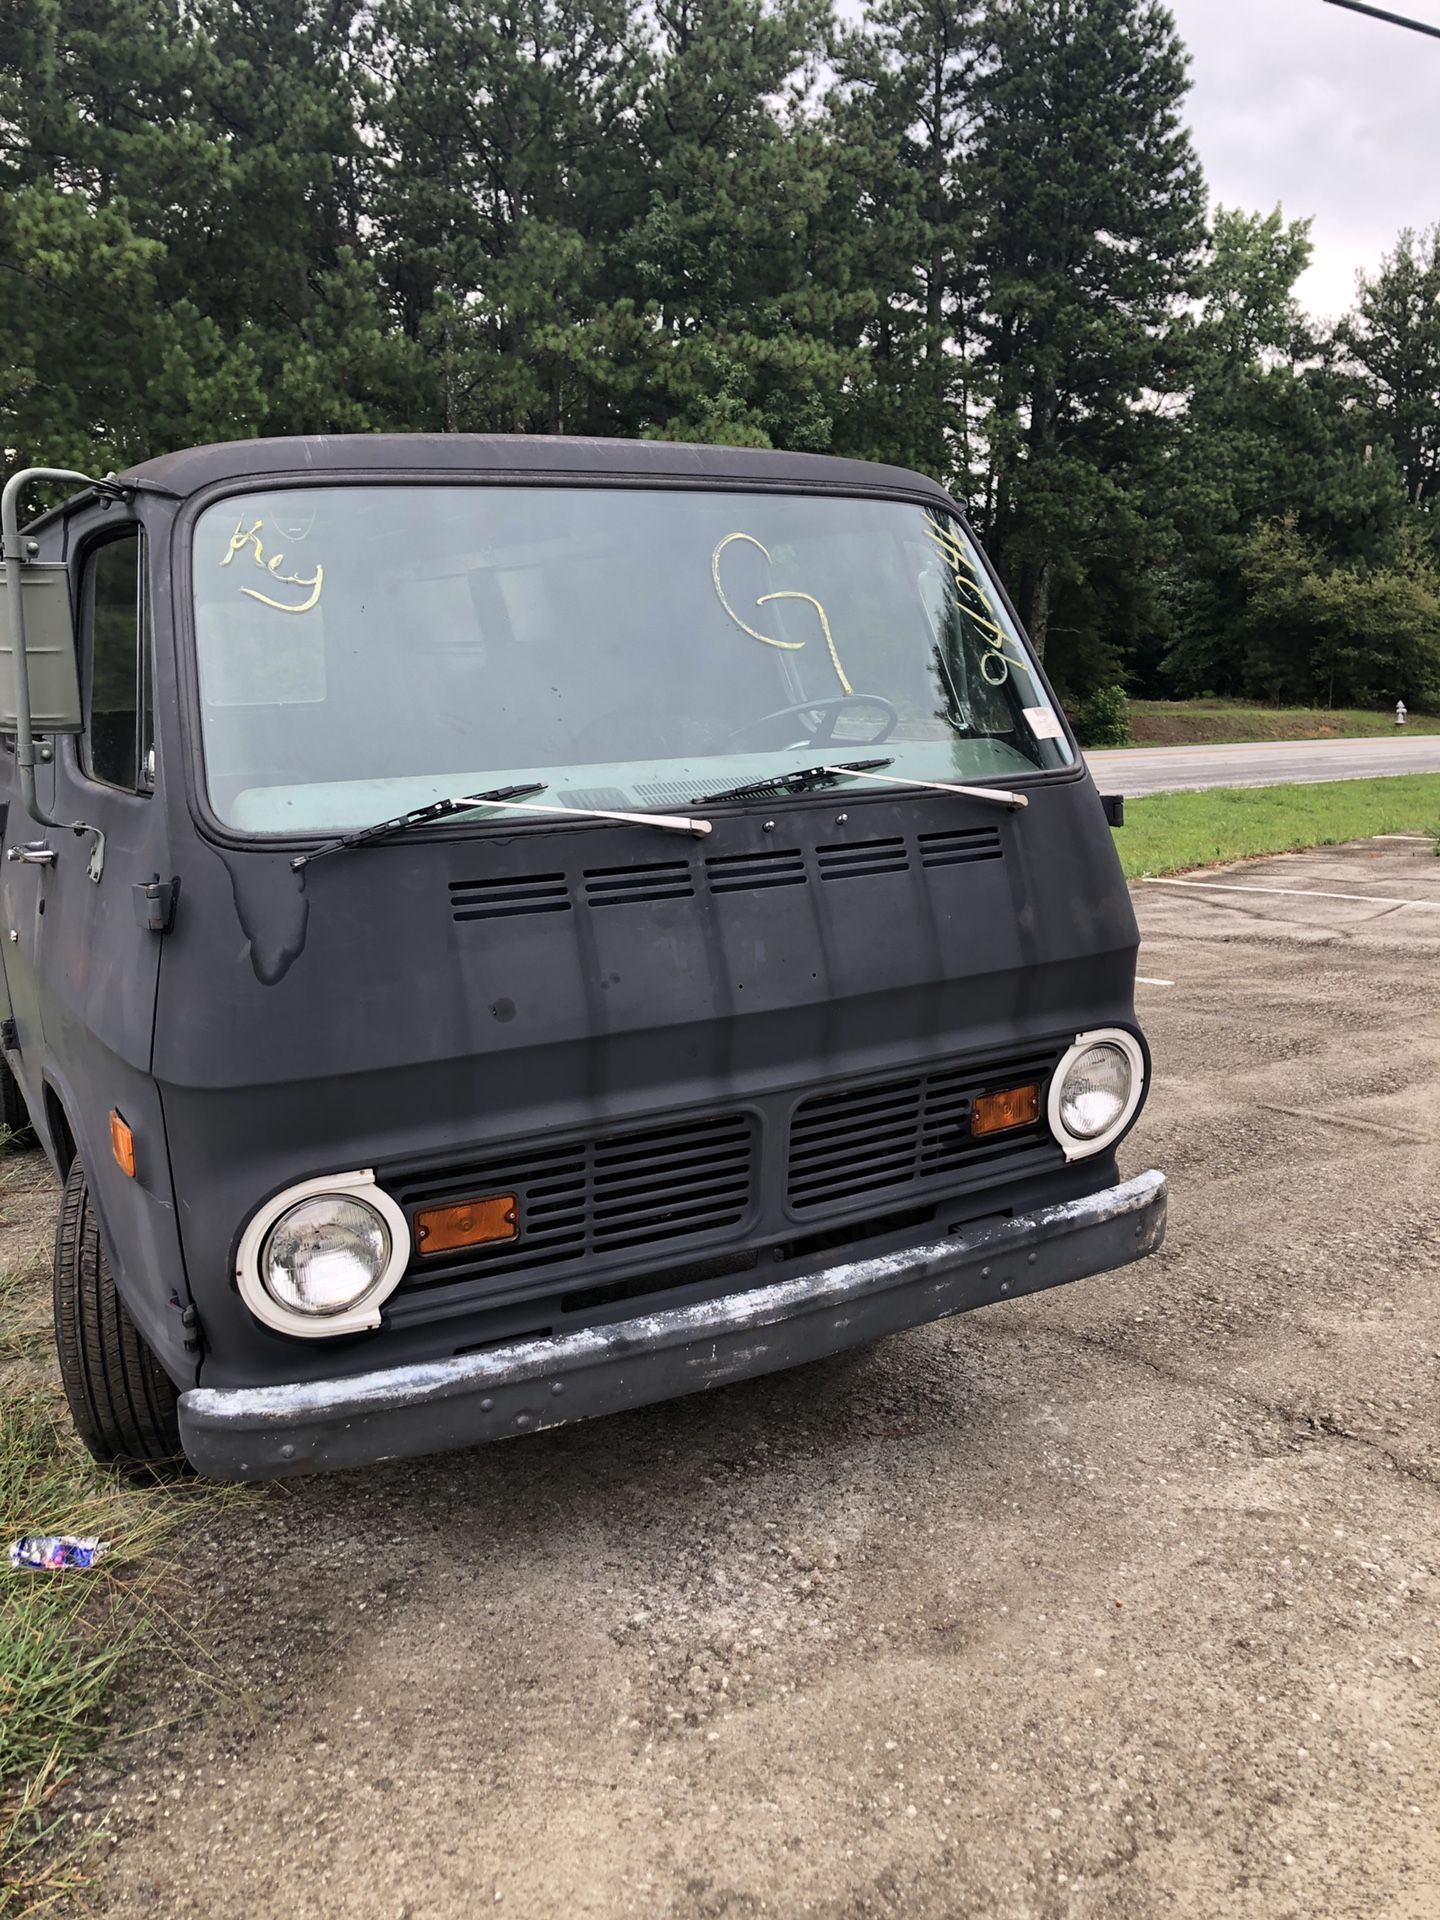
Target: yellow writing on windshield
995	662
786	646
249	537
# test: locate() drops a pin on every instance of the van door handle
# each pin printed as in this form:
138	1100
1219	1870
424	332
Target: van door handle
37	854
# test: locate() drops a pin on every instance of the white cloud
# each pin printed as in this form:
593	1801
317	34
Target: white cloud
1331	114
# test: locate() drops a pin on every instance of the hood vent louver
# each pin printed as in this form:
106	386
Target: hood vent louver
862	857
748	872
526	894
635	886
960	846
521	893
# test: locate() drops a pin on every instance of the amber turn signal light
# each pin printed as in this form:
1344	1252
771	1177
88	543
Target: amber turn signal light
122	1145
1000	1112
473	1223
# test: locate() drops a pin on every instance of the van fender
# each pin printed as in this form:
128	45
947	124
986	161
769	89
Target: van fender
135	1217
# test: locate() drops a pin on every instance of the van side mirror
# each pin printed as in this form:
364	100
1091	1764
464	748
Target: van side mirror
39	674
53	669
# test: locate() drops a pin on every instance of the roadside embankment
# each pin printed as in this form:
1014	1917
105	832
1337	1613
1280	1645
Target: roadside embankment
1198	723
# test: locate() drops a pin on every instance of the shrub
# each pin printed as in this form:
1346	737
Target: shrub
1104	719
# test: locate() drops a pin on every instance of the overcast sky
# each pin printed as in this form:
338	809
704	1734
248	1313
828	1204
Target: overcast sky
1333	115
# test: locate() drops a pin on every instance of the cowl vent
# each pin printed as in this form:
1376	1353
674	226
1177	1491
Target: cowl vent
521	893
746	872
634	886
960	846
862	857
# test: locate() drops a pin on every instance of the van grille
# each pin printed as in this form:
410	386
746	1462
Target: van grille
899	1133
648	1188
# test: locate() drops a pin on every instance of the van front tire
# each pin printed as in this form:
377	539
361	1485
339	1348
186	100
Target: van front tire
122	1401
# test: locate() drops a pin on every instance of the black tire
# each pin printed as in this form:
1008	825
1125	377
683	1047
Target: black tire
14	1114
122	1401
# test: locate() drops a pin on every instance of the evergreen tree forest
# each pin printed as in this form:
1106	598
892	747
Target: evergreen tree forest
968	236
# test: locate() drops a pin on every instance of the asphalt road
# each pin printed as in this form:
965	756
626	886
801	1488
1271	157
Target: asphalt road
1117	1603
1139	770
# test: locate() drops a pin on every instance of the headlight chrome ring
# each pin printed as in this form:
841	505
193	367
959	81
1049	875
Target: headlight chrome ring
364	1227
1112	1048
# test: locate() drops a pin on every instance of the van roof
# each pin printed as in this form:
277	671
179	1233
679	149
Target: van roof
494	456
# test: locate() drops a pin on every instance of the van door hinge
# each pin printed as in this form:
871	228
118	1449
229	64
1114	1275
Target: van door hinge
155	903
9	1036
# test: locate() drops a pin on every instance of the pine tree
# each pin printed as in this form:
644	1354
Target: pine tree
898	126
743	340
503	141
108	356
1087	201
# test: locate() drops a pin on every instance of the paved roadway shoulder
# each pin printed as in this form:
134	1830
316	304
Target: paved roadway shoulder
1139	770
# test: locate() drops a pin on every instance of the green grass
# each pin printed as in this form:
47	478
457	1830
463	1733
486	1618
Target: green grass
67	1638
63	1637
1174	723
1170	832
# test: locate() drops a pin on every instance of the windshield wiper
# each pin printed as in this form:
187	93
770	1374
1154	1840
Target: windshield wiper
997	796
509	799
801	781
417	817
667	822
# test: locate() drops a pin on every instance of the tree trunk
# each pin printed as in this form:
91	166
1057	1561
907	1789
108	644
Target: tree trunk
935	266
1038	622
1044	436
452	396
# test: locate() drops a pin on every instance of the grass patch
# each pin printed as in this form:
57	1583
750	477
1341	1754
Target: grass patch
1177	723
65	1638
1171	832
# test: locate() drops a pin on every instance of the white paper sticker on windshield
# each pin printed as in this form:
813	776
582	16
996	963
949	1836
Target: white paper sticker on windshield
1044	723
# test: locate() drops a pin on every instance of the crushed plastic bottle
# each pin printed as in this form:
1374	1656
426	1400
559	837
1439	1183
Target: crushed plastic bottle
52	1552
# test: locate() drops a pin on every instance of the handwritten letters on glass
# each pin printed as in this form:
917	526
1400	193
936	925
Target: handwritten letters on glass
244	537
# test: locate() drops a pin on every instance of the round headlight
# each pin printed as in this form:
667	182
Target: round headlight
1096	1091
325	1254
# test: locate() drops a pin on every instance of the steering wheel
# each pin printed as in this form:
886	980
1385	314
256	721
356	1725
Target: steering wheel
825	714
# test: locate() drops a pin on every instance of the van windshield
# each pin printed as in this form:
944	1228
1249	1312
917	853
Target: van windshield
364	649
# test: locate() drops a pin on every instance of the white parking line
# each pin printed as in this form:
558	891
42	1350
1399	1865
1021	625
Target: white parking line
1421	837
1144	980
1295	893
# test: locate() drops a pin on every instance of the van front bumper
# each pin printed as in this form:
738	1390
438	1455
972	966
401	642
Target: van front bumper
264	1433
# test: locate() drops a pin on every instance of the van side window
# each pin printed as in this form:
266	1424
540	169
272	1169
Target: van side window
120	723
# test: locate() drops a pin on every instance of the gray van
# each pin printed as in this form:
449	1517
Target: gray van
501	930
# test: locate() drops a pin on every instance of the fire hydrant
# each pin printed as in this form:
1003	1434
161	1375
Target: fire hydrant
1402	713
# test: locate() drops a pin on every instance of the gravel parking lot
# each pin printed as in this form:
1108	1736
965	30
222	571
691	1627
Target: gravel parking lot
1118	1601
